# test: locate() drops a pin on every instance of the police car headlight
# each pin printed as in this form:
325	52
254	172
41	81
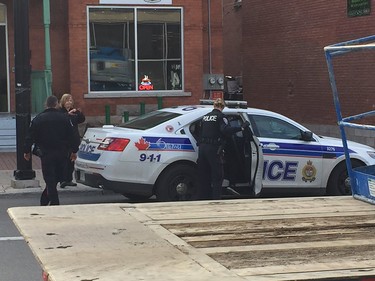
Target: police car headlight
371	154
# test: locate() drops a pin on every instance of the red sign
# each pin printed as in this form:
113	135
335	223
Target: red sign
217	95
146	87
146	84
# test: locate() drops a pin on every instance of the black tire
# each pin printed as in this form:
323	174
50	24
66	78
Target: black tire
339	182
178	183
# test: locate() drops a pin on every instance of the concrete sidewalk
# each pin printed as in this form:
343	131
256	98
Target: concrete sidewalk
8	164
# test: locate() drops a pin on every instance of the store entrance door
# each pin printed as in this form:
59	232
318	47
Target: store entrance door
4	93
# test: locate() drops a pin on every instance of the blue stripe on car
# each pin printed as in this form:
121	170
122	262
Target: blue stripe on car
169	144
88	155
304	150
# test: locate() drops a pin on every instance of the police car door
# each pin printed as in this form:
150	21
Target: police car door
290	158
251	155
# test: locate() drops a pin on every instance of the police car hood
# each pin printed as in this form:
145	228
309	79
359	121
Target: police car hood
338	142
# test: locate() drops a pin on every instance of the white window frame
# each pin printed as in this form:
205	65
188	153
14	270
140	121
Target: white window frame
5	23
136	93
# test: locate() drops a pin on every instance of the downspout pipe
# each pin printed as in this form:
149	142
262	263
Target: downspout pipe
209	37
47	44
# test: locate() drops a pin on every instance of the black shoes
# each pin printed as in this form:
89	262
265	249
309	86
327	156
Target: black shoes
64	184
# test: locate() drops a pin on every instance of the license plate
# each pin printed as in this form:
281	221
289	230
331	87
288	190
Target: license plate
82	176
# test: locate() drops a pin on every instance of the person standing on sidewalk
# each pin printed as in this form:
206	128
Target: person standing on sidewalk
76	117
51	132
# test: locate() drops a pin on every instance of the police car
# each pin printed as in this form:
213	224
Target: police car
155	154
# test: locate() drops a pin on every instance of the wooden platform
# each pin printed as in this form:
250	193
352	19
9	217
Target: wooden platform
321	238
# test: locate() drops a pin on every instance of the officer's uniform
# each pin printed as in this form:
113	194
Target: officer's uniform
52	132
214	130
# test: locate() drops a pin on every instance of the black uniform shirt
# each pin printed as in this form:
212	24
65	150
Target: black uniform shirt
215	127
51	130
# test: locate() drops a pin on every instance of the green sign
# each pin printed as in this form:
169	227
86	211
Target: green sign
358	8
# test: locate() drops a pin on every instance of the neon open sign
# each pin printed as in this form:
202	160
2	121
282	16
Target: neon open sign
146	84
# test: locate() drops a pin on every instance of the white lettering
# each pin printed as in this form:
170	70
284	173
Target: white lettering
210	118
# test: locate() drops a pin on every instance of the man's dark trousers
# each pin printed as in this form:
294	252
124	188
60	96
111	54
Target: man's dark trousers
53	166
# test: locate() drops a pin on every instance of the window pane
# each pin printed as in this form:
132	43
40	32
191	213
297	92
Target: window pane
111	49
150	120
2	13
159	49
270	127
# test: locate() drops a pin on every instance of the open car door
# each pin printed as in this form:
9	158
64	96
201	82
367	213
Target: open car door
243	166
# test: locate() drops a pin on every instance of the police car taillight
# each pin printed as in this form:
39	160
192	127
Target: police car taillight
113	144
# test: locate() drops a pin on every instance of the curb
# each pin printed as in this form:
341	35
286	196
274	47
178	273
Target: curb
8	185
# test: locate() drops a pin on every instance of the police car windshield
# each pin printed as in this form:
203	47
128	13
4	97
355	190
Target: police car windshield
149	120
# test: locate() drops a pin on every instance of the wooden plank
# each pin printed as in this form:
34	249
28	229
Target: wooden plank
253	208
255	239
286	239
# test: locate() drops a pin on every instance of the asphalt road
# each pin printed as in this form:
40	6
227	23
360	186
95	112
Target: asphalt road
17	263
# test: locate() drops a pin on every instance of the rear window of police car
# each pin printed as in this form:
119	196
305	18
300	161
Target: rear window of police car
149	120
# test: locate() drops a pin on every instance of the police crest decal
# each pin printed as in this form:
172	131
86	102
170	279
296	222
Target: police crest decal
308	172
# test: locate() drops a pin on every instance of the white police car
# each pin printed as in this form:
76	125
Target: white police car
155	154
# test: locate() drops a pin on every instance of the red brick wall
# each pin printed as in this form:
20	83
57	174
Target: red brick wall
232	39
284	64
195	53
59	47
69	50
58	39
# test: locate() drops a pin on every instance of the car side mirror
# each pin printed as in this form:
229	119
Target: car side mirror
306	135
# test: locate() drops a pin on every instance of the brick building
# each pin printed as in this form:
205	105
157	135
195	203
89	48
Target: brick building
277	46
119	52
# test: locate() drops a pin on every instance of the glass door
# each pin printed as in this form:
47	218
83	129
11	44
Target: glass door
4	97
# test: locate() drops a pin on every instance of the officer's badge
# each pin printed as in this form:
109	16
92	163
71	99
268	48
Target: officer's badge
309	172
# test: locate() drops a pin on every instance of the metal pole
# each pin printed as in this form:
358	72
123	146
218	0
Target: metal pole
22	88
107	114
126	116
142	108
160	102
47	44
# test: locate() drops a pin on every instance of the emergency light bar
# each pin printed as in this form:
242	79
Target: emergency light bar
229	103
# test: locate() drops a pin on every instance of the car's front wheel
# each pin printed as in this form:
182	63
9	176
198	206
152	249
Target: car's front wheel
339	181
178	183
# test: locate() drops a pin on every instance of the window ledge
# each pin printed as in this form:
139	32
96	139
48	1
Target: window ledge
99	95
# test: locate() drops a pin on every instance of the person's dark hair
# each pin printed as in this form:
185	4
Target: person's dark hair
51	102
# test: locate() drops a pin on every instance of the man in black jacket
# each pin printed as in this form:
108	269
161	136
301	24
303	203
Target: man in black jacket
214	129
51	132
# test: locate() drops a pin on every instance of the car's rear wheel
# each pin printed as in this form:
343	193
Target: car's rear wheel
339	181
178	183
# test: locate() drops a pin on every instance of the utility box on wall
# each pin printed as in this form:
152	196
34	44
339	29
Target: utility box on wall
213	82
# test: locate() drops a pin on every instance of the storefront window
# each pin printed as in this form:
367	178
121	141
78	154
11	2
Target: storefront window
135	49
2	13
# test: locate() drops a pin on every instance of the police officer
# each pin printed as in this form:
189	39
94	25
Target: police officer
214	129
51	132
